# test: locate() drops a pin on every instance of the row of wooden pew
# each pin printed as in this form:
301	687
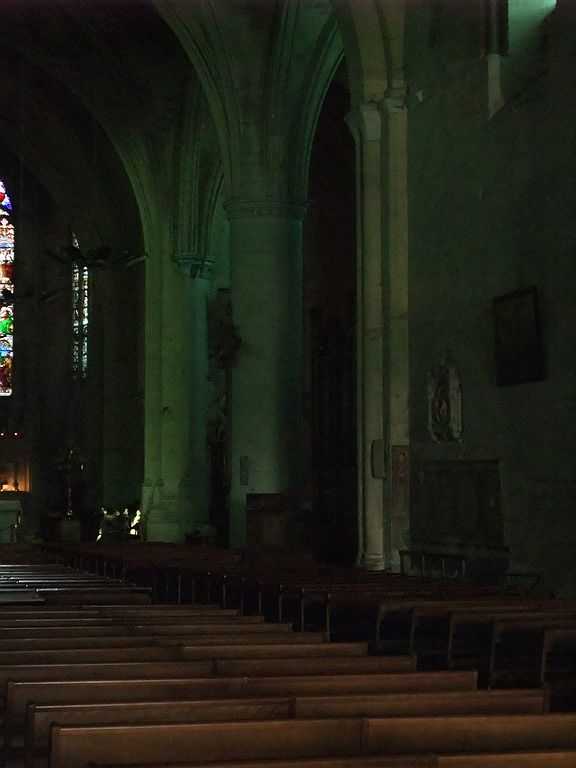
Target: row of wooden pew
510	637
127	682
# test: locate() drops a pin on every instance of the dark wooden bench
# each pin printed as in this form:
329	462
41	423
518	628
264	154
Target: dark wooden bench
308	591
105	671
519	646
189	651
43	611
140	640
40	718
441	637
78	596
76	747
471	631
246	625
222	667
19	695
471	733
462	623
557	643
397	621
172	622
321	666
366	761
539	759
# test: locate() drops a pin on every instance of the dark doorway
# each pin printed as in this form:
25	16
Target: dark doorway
330	312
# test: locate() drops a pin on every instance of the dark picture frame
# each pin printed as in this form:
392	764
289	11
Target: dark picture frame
518	337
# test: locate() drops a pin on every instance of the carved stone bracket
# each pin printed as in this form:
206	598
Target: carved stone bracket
251	209
194	265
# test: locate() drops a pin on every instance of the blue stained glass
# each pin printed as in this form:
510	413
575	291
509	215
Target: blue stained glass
4	199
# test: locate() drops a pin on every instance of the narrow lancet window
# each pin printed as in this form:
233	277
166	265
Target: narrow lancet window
6	293
80	318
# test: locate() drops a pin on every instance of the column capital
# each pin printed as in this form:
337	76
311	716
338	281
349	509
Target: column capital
194	265
252	208
364	122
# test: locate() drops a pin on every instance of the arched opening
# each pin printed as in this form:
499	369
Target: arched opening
330	329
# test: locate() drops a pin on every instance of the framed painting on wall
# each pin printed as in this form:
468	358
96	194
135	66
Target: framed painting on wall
517	337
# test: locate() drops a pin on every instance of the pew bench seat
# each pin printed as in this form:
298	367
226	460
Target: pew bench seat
76	747
20	695
40	718
538	759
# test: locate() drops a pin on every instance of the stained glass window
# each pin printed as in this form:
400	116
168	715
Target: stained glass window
6	292
80	287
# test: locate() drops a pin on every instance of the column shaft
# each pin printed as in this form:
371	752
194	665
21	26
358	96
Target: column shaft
397	348
181	499
266	287
365	125
154	308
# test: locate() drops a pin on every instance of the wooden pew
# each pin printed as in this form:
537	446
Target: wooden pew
127	611
160	629
77	596
120	671
188	652
463	638
76	747
19	695
472	634
558	641
495	733
539	759
504	655
273	667
138	641
105	671
40	718
308	666
476	624
405	616
171	622
321	590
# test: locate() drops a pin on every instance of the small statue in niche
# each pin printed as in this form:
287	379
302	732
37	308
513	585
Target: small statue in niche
228	342
444	403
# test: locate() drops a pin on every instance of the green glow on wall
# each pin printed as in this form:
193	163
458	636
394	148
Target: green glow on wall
525	33
524	20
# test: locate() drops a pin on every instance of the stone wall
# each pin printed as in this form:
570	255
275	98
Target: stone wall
492	200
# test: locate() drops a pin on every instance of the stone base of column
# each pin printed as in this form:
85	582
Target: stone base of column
373	562
163	525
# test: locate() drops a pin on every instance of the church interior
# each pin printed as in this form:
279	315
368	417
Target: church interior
287	335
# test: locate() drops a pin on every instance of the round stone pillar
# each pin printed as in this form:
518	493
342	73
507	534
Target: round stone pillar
179	501
365	125
194	486
267	379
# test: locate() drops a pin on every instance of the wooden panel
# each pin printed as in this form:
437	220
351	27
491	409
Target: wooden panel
471	734
76	747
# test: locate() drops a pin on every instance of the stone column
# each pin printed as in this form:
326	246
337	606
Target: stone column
396	346
180	499
365	125
152	505
194	486
266	413
170	370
